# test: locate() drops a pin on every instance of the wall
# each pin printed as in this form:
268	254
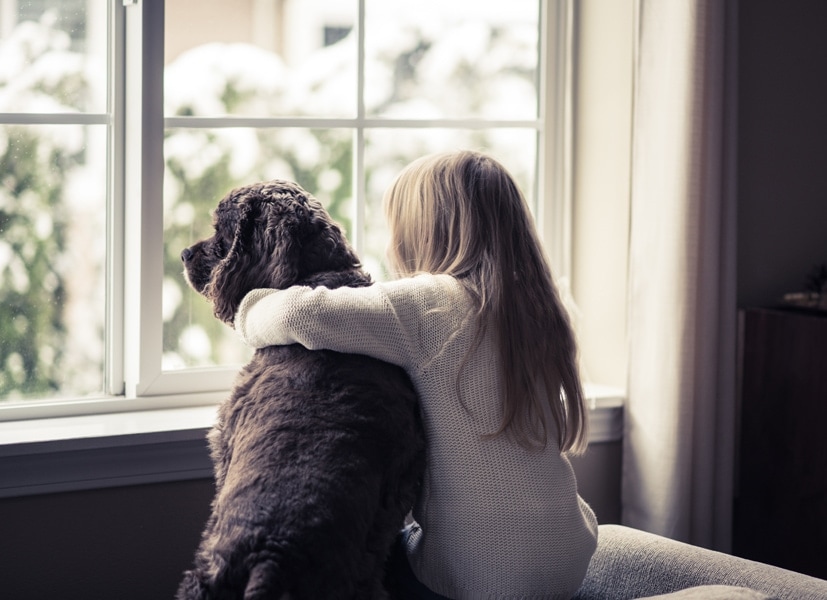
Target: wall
781	177
600	222
133	543
782	146
118	543
600	227
598	479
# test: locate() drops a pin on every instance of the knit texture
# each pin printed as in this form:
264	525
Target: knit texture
630	563
497	521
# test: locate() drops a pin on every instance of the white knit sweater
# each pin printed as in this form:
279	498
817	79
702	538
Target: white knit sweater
497	521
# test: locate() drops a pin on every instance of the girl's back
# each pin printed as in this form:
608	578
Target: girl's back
495	517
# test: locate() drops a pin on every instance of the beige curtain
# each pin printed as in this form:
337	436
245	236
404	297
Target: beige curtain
680	425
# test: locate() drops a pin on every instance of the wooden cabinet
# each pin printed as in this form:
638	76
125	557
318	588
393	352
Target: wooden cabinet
781	486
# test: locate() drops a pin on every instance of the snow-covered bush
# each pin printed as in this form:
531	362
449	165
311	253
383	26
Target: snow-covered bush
51	288
38	270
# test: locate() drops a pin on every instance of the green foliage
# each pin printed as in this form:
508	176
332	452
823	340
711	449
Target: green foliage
202	165
33	224
34	220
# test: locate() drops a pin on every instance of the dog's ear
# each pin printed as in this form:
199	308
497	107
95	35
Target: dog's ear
326	248
264	253
277	238
232	277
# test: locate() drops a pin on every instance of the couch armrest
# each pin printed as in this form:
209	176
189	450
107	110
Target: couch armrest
630	564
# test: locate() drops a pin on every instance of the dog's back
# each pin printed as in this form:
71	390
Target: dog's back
318	456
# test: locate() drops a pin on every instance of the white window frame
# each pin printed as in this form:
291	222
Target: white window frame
161	416
143	161
145	169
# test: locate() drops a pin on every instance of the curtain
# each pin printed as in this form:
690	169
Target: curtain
679	442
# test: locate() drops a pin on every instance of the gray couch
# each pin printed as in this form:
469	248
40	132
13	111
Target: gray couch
633	564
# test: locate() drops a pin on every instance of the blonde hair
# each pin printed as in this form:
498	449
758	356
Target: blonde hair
463	214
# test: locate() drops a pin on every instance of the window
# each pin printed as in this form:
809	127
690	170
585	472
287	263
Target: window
122	127
54	161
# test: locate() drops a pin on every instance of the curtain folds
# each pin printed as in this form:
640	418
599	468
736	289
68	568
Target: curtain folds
680	417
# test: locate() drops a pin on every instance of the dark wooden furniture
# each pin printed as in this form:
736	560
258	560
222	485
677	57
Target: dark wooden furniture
781	487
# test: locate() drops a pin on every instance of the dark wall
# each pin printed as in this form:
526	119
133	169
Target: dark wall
782	146
129	543
598	479
133	543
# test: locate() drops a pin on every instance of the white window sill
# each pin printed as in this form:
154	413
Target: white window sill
97	451
40	456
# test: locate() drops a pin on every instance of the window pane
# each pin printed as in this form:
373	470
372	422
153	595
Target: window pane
260	58
52	259
202	165
53	56
458	59
388	151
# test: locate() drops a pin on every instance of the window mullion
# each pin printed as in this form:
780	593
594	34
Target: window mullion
556	105
359	185
114	321
143	188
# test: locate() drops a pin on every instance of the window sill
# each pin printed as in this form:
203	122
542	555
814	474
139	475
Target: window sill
64	454
97	451
605	413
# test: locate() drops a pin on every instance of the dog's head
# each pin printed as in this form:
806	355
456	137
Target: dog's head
267	235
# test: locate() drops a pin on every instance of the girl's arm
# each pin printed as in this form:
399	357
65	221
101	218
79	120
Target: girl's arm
402	322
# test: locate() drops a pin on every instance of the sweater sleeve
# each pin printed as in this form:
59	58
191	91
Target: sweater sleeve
401	322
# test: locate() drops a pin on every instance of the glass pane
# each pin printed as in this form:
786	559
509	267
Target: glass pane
260	58
52	259
387	151
458	59
53	56
202	165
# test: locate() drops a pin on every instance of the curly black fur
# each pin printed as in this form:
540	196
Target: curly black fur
317	454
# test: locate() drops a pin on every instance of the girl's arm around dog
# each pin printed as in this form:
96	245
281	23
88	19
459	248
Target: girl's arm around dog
406	321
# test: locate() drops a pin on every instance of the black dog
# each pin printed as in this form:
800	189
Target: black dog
318	455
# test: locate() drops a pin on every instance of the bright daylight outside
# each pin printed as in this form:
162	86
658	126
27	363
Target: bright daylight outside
253	90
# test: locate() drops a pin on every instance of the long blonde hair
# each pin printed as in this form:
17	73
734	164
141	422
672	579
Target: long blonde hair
462	214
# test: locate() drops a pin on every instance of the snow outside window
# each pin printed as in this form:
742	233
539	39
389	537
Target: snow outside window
54	131
122	127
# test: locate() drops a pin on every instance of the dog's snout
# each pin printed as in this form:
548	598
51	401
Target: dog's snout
186	254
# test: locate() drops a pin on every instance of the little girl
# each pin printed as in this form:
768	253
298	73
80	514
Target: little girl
476	321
